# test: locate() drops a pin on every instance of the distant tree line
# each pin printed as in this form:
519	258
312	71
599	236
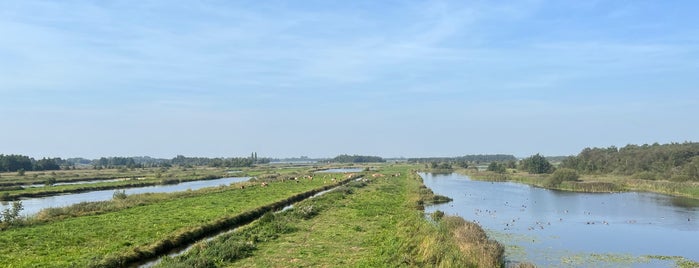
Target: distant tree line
13	162
476	158
357	159
675	161
219	162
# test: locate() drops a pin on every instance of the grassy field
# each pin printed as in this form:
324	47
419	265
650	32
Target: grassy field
105	238
378	223
136	178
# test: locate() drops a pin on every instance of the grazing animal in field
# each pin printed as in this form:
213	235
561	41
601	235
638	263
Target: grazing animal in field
264	184
242	187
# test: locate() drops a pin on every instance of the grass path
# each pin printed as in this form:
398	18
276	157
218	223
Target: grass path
378	224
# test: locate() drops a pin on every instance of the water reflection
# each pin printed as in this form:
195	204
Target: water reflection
550	225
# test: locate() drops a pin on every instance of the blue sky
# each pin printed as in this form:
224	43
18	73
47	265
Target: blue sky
321	78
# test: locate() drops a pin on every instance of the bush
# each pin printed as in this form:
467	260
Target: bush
497	167
536	164
561	175
119	195
306	212
437	215
11	215
50	181
169	181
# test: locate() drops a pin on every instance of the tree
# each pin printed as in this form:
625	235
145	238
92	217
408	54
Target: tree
497	167
11	215
536	164
561	175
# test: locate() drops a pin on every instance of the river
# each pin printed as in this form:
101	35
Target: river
34	205
555	228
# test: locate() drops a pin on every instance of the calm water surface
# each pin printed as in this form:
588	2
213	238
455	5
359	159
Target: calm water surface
554	228
34	205
76	183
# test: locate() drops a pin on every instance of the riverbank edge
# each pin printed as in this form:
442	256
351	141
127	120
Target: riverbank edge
610	187
186	237
18	197
470	238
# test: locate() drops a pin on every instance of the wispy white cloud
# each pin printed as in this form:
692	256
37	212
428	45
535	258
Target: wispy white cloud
339	60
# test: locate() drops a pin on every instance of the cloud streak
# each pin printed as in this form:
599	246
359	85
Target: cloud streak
240	64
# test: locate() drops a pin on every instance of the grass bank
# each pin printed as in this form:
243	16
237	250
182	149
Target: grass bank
111	239
596	183
80	188
378	223
141	178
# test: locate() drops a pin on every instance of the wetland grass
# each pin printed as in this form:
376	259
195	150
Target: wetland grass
116	237
371	224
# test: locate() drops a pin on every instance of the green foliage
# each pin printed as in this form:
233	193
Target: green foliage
20	172
561	175
566	174
497	167
461	163
480	158
674	160
437	215
440	165
357	159
119	195
50	181
306	212
11	215
536	164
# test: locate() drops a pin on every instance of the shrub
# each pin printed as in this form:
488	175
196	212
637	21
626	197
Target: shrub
437	215
169	181
497	167
11	215
561	175
119	195
306	212
50	181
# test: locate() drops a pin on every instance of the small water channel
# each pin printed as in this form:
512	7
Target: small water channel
184	249
555	228
34	205
75	183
